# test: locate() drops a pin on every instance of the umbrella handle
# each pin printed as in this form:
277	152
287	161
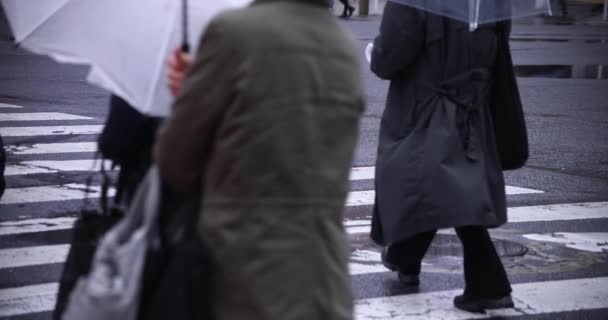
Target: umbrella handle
185	43
185	47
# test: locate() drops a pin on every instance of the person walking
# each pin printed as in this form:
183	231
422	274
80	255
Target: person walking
437	164
266	121
348	9
563	6
127	140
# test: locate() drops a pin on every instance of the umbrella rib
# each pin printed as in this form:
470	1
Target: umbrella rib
42	23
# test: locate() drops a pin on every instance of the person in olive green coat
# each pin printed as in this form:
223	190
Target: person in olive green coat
268	118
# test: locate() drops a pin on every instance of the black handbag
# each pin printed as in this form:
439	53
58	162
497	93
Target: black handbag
178	270
88	229
506	107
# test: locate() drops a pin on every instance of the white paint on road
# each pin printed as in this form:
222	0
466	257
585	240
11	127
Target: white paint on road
49	130
368	173
511	191
33	256
367	197
71	191
530	299
357	268
40	116
362	173
35	167
35	225
584	241
557	212
49	148
9	106
26	300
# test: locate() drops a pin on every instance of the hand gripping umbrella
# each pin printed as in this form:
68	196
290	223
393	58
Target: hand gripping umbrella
475	12
125	42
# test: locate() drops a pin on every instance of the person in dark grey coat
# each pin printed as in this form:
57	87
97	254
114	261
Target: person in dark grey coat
437	164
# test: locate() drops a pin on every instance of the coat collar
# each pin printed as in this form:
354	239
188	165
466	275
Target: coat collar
323	3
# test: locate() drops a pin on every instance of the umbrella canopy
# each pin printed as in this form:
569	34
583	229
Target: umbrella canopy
475	12
126	42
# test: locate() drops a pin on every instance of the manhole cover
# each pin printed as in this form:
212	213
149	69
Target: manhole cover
449	245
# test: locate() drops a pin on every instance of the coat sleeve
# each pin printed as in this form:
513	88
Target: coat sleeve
400	41
186	138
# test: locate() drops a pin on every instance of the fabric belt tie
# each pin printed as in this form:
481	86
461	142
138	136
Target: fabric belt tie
468	92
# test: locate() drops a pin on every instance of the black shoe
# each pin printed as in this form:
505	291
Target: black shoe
350	11
384	257
409	279
406	279
2	184
480	305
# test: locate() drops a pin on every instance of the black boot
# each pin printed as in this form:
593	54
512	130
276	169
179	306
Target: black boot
350	10
480	305
408	279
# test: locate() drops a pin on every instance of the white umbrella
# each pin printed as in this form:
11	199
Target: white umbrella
126	42
475	12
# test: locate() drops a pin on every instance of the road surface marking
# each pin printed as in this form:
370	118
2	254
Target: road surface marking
9	106
49	131
71	191
367	197
530	299
34	167
368	173
584	241
365	261
357	268
570	211
35	225
46	148
361	261
557	212
30	299
362	173
33	256
40	116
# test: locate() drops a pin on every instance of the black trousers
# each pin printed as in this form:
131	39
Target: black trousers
563	5
346	6
484	274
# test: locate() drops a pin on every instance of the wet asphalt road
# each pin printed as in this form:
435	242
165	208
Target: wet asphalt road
568	128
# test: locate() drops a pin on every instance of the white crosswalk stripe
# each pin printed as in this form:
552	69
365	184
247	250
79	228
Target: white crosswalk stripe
51	166
35	225
32	256
367	197
539	297
51	148
71	191
530	299
9	106
28	299
40	116
49	130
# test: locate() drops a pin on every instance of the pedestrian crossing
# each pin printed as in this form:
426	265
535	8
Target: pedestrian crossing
30	242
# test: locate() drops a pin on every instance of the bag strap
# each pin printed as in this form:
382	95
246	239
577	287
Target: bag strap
104	188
